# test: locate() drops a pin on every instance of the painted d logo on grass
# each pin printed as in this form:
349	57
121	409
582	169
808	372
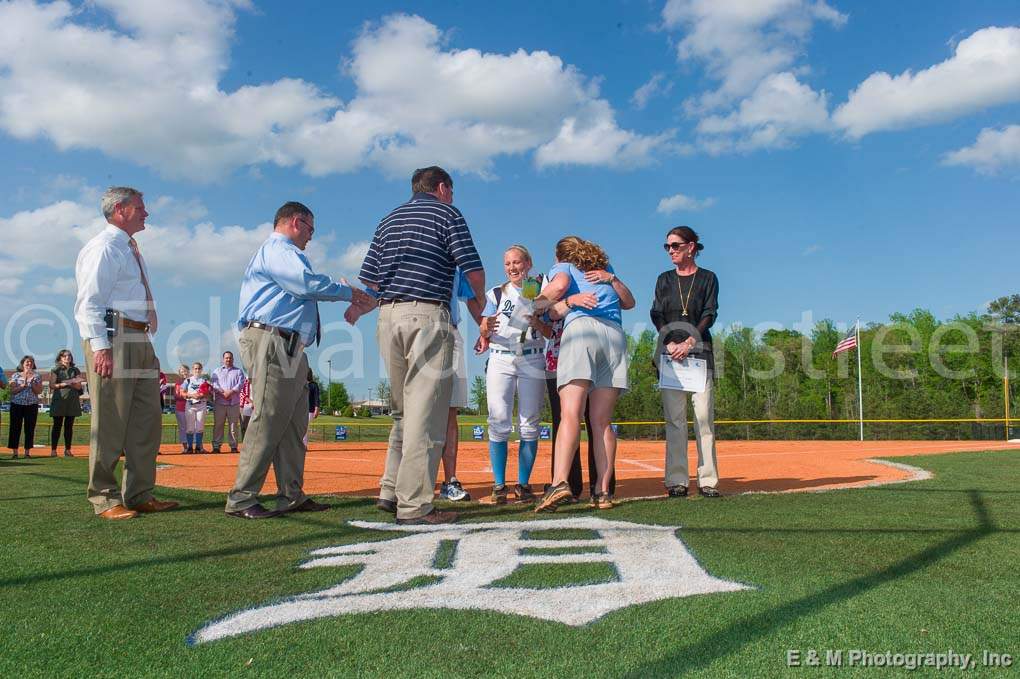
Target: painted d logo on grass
460	567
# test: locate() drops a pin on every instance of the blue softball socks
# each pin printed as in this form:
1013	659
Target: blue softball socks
526	461
497	459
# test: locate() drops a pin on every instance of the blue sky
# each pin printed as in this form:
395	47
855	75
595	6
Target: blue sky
839	159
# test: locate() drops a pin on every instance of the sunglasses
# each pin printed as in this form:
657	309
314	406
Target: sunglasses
673	247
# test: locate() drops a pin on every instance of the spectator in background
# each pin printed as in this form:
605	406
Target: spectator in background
247	407
226	384
181	408
164	387
198	390
65	404
314	402
26	385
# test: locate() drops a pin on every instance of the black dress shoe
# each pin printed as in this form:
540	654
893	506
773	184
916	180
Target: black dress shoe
709	491
386	505
254	512
677	491
309	505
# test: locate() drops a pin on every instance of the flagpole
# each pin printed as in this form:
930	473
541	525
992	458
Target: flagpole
860	381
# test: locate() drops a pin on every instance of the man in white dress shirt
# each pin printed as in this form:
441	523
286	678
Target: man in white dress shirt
115	314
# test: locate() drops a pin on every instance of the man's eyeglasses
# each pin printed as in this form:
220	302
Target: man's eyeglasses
673	247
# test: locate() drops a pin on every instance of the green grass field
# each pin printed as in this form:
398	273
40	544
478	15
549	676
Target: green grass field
921	567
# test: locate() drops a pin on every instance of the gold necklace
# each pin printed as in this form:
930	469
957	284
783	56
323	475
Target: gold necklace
685	302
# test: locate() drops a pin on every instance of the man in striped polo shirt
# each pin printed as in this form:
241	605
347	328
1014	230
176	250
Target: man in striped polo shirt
410	266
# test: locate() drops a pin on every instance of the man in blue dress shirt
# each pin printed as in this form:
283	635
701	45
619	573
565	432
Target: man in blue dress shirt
280	317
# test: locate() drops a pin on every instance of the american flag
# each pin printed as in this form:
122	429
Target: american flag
847	343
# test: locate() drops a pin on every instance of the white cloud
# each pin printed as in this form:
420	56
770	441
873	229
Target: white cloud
780	108
656	86
741	42
58	286
13	270
593	138
983	72
419	103
72	187
178	251
353	257
56	232
145	89
811	249
203	252
993	150
171	211
680	202
68	77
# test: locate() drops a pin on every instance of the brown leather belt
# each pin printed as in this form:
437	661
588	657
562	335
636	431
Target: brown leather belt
134	325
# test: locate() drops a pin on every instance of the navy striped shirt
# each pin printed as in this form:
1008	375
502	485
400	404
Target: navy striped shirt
416	249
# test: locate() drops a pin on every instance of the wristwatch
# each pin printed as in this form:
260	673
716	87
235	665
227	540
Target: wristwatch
566	300
612	277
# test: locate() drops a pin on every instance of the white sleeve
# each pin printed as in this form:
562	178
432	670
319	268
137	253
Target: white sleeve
96	274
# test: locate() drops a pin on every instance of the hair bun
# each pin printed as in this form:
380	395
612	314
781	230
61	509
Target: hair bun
700	247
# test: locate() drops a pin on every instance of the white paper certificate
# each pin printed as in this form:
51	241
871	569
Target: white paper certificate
514	318
690	374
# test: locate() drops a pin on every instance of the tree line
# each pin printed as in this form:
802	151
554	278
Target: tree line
914	366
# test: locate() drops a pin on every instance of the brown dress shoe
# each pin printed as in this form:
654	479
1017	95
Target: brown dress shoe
430	519
386	505
155	505
118	512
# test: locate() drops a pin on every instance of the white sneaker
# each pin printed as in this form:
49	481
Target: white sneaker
453	491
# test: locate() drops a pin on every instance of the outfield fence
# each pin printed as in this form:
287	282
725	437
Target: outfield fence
933	429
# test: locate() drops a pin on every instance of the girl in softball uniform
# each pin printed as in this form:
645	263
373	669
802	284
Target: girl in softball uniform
516	365
197	389
181	410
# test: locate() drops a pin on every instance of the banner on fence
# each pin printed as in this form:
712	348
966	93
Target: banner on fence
341	433
544	433
477	432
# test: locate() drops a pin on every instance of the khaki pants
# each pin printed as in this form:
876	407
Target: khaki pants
126	420
674	405
231	416
279	422
416	342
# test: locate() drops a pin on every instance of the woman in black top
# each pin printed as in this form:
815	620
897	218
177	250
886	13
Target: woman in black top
65	404
685	307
